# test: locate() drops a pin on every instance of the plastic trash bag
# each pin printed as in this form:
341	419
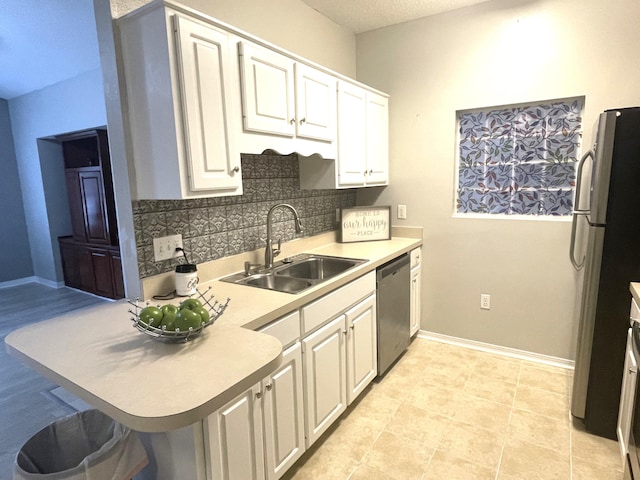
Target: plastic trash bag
87	445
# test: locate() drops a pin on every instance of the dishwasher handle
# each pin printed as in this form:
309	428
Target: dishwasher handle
392	267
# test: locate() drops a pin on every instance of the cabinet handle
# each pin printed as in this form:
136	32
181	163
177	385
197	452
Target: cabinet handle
258	394
235	169
344	332
352	327
302	120
371	171
268	387
292	121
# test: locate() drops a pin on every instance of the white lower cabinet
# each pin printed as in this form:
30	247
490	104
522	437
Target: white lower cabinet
234	439
324	377
261	433
416	289
282	408
362	347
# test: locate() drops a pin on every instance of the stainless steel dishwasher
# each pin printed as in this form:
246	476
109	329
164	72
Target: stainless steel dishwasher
393	292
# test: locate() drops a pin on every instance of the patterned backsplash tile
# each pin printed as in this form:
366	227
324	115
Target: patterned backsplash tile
217	227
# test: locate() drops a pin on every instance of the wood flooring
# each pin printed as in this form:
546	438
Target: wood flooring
26	404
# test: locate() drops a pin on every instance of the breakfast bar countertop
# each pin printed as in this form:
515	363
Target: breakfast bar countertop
155	386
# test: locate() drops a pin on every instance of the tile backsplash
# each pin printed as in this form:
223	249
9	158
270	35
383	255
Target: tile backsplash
217	227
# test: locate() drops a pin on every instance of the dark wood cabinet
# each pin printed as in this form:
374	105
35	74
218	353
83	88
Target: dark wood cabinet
90	255
93	269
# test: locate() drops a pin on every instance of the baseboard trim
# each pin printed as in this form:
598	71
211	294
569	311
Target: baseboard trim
499	350
31	279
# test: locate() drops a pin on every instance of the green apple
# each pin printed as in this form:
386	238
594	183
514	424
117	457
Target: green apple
169	313
187	318
169	321
151	315
204	314
191	304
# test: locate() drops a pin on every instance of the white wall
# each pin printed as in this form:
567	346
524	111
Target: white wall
67	106
15	256
496	53
289	24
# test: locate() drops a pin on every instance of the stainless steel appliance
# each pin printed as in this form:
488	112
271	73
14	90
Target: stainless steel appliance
609	221
392	310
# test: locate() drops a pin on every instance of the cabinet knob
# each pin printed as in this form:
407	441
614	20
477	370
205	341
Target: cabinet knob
268	387
236	169
292	121
370	171
258	394
344	332
302	120
352	327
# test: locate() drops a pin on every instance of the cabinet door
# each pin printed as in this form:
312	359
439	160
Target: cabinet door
315	104
416	284
627	400
204	60
377	139
85	190
233	438
284	414
102	272
267	90
324	377
352	135
362	350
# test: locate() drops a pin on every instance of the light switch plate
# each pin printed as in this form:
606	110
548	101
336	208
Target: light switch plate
164	248
402	212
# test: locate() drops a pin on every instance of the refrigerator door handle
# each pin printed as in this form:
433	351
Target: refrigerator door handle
572	247
583	160
577	212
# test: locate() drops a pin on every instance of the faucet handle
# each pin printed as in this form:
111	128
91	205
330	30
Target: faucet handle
277	251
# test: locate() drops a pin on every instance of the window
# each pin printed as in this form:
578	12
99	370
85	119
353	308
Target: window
519	160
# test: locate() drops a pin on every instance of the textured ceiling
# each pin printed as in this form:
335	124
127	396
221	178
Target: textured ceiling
363	15
43	42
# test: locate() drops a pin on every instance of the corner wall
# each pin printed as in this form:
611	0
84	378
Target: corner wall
15	256
75	104
496	53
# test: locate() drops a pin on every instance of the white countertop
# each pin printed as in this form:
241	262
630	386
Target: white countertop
149	385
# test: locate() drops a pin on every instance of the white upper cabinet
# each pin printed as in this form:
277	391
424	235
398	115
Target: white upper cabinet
267	91
285	98
363	143
182	96
377	113
315	104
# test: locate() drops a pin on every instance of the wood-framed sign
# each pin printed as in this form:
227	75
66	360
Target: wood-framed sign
363	224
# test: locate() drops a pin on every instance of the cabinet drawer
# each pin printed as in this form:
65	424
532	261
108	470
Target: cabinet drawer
285	329
327	307
416	257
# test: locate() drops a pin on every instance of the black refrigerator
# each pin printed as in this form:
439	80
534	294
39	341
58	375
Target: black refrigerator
607	219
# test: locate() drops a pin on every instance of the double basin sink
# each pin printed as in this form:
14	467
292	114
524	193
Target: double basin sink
295	274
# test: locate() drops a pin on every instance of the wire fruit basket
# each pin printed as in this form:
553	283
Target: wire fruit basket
214	308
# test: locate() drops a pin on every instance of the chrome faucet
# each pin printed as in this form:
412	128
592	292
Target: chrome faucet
269	252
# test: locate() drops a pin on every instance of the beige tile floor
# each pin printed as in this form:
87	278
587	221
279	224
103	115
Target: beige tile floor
446	412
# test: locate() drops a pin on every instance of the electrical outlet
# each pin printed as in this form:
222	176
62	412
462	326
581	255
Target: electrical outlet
402	212
485	301
164	248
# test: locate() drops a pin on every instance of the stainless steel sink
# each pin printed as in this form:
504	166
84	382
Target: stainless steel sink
273	282
295	274
317	268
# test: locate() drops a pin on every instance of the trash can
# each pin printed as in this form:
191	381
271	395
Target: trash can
87	445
